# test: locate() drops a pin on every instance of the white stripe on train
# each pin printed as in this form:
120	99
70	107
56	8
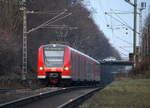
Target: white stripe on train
66	77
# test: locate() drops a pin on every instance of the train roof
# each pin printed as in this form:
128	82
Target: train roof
61	45
83	54
56	45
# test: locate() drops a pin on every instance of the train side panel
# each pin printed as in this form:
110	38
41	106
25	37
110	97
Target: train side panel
84	68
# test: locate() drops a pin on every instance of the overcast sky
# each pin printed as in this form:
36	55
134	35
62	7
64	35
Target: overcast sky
120	36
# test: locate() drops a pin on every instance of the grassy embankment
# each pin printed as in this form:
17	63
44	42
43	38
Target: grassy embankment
122	94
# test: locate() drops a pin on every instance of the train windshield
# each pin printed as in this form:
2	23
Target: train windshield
54	58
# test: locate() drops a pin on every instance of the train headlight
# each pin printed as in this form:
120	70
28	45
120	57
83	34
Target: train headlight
66	68
41	68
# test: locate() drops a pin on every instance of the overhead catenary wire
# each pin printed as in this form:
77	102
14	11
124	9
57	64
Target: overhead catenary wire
120	12
123	40
45	12
58	19
126	55
121	22
101	5
120	18
60	27
124	49
45	23
127	46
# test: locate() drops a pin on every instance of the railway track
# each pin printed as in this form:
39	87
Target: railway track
3	90
73	103
62	98
10	94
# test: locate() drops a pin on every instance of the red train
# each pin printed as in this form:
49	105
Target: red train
60	63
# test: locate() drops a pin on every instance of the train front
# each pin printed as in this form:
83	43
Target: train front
51	63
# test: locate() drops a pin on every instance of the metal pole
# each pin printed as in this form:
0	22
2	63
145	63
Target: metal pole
134	33
140	31
134	28
24	56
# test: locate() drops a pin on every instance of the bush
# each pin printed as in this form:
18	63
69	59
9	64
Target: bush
142	69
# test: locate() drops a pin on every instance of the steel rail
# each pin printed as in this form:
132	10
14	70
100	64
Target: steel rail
26	100
79	100
15	89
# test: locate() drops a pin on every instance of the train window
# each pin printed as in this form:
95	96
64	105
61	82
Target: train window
54	58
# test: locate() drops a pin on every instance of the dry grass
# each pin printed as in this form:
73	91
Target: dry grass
122	94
